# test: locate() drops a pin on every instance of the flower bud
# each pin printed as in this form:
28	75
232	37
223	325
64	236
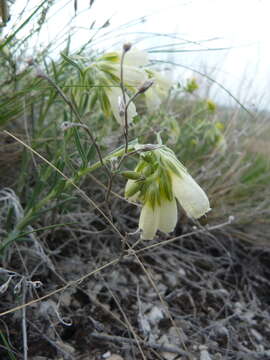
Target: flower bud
148	170
145	86
132	188
164	182
133	175
127	47
121	106
4	287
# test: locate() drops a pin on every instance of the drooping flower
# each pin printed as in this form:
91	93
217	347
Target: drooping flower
190	195
161	217
133	73
136	57
114	95
158	92
163	180
108	73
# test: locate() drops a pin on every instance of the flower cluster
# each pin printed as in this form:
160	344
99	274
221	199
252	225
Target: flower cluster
157	182
135	74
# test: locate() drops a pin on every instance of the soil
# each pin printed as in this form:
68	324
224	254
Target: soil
203	296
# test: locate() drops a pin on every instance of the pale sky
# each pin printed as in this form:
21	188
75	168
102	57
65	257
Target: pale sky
241	25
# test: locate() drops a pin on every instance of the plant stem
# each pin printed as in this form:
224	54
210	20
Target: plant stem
41	74
26	220
122	86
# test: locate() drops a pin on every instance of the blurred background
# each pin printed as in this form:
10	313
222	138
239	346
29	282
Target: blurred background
66	227
227	40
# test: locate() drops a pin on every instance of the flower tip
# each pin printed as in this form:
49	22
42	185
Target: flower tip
201	209
145	86
127	47
203	213
143	237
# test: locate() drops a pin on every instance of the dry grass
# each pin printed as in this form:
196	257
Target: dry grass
73	283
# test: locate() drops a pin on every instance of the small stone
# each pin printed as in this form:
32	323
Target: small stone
106	355
155	315
256	335
115	357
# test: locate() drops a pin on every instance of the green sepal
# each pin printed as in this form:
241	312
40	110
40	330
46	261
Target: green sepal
173	168
132	189
141	165
109	70
133	175
105	103
165	185
148	170
148	156
112	56
152	196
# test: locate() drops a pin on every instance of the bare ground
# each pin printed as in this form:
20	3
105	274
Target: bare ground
203	296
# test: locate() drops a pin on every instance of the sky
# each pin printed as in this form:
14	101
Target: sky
226	39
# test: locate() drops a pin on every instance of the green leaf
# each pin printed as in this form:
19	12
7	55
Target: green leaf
105	103
90	154
73	63
133	175
79	146
132	189
12	36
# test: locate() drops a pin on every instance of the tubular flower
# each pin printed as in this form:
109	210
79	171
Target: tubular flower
134	59
162	180
158	92
133	76
114	95
108	73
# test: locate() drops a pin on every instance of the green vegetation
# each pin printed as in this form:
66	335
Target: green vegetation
65	152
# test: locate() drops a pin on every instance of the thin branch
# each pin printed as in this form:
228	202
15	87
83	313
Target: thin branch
122	86
165	306
42	75
129	325
72	283
199	231
112	262
81	192
24	328
51	342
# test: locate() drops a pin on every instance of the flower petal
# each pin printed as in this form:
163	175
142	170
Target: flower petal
152	100
131	189
136	57
190	195
133	76
149	220
167	216
114	94
163	82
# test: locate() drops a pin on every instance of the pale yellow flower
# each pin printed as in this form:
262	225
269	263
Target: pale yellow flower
163	180
190	195
163	218
114	95
158	92
135	57
132	75
152	99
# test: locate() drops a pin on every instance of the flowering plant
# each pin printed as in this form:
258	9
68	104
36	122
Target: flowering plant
158	181
135	73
